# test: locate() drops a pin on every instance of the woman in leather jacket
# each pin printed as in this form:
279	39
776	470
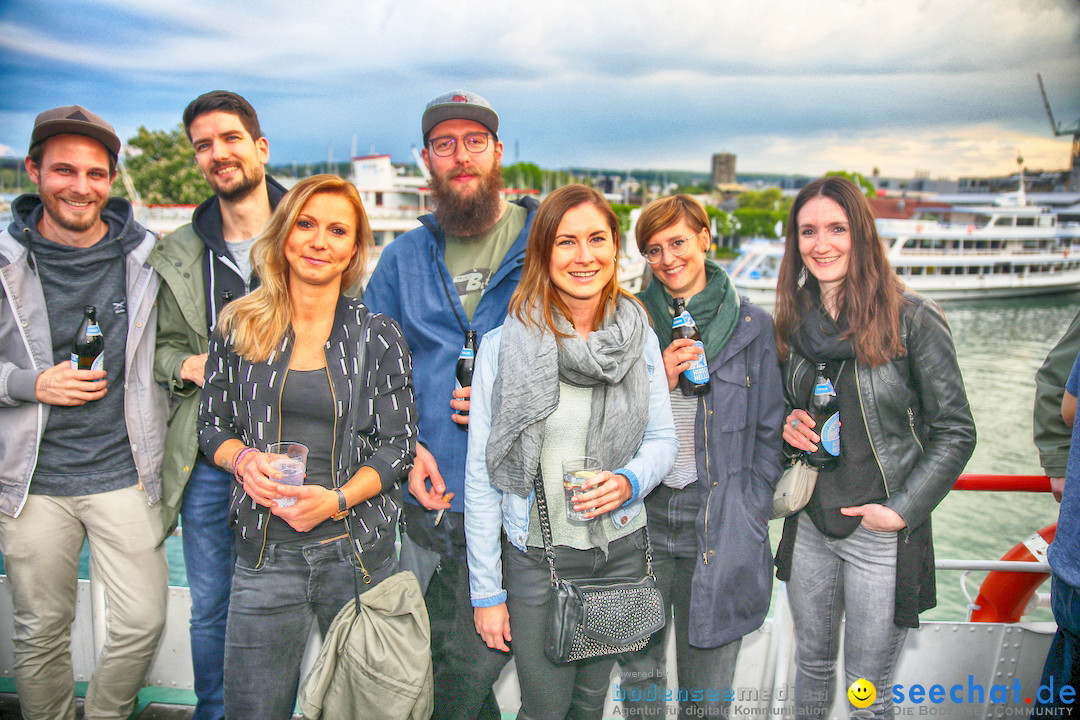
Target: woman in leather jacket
862	546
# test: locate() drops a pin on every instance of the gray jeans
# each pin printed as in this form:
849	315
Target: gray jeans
578	690
853	577
271	609
704	674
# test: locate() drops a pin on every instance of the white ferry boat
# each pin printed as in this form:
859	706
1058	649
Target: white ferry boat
1007	249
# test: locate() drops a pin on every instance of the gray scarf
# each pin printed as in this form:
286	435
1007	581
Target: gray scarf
526	391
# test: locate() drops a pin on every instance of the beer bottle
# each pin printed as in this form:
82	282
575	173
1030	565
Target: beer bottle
825	412
695	379
465	362
88	347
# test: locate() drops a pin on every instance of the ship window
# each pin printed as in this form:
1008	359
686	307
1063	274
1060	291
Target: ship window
1004	221
916	271
1046	221
1025	222
912	243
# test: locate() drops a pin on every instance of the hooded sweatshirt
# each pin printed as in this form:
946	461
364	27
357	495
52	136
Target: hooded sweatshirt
71	279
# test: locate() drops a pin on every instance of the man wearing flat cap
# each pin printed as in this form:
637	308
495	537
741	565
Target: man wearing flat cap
80	453
454	273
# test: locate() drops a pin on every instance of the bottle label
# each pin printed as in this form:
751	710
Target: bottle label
466	354
830	434
97	364
825	388
683	319
93	331
698	372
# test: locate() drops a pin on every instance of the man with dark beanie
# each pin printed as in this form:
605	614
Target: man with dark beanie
80	453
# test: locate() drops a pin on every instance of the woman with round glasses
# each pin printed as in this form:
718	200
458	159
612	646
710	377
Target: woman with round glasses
709	518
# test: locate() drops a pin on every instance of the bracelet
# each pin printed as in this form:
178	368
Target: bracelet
236	462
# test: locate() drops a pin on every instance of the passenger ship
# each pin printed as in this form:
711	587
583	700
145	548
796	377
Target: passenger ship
1007	249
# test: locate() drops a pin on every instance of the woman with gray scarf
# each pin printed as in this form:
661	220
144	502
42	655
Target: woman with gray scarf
575	371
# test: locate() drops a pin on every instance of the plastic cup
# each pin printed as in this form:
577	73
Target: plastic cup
576	471
289	459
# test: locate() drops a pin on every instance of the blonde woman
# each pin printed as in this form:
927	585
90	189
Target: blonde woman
282	367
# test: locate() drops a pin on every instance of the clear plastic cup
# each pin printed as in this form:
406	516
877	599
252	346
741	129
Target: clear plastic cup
576	471
289	459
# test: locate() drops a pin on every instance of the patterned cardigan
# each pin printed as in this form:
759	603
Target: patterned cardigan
242	400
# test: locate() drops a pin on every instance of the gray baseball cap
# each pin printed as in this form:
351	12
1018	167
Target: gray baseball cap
74	120
459	105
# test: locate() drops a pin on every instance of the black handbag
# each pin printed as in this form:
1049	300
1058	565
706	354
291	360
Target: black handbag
598	616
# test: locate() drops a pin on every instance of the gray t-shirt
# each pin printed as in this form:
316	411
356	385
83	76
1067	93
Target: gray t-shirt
241	253
472	261
85	449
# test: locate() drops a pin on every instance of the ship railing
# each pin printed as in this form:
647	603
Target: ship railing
1002	483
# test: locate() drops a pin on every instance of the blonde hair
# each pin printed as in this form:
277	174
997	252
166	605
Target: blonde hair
535	287
259	321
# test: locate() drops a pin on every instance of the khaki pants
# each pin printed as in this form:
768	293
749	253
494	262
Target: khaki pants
41	556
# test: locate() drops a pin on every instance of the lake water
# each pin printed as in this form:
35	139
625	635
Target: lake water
1000	345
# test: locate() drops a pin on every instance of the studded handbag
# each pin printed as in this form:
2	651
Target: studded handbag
598	616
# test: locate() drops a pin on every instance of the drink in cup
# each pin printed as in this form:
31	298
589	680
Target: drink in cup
289	459
575	472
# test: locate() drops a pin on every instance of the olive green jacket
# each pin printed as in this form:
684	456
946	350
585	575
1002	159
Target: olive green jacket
181	332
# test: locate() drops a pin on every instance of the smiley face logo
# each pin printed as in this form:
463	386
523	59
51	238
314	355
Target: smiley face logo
862	693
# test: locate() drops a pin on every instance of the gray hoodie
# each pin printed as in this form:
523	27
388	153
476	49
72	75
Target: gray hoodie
26	349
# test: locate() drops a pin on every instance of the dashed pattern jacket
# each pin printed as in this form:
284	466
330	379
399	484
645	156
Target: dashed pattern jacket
242	400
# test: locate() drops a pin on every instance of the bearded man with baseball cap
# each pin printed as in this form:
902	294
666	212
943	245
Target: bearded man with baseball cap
453	274
81	450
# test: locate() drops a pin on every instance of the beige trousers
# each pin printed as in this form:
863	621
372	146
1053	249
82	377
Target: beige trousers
41	557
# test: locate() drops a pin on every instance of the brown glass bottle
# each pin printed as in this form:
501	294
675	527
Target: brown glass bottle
88	346
695	379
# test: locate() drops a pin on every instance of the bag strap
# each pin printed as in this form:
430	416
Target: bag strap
351	429
545	530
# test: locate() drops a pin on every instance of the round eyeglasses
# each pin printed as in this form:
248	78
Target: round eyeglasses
677	246
446	145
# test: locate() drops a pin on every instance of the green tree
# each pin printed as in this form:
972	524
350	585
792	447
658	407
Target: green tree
868	187
622	211
161	165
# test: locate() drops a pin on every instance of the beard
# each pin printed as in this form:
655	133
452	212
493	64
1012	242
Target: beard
68	220
249	181
467	215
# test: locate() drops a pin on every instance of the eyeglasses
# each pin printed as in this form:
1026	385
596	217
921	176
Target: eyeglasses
677	246
446	145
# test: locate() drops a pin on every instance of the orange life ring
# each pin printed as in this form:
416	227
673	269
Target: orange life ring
1003	596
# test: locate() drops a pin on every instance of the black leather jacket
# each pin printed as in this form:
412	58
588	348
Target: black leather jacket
915	409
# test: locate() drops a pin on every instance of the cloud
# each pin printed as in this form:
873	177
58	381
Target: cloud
624	83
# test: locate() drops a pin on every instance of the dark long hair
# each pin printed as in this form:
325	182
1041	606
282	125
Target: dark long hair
871	294
535	286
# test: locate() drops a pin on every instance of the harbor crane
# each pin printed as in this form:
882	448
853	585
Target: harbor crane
1058	130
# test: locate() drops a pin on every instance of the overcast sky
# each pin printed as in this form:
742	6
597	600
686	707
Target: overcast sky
944	86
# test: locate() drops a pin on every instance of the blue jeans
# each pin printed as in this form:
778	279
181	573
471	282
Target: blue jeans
270	614
1063	661
209	558
853	577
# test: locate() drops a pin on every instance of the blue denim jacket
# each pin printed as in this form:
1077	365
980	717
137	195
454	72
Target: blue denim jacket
486	505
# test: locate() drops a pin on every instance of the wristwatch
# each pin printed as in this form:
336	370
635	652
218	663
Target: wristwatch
343	508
